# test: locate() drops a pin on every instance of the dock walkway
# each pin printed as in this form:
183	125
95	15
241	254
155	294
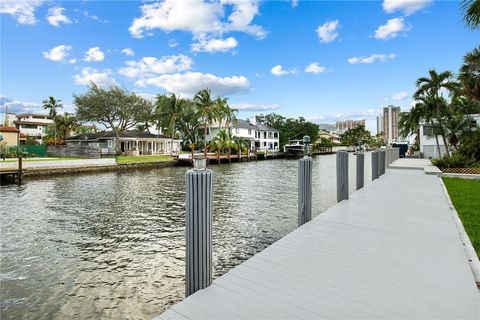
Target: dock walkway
390	252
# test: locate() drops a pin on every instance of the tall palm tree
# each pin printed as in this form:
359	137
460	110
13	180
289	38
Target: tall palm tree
170	108
225	113
431	87
409	122
471	11
456	124
240	144
51	104
469	74
222	142
208	111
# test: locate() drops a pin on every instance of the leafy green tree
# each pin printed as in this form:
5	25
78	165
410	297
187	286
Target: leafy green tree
355	136
225	113
241	143
222	143
456	125
207	110
471	11
114	107
469	75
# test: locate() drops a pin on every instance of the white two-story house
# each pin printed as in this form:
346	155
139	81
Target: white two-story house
261	137
33	125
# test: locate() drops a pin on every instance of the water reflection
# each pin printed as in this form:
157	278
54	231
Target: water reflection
111	245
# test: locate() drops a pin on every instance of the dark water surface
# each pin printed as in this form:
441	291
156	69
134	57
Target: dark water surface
111	245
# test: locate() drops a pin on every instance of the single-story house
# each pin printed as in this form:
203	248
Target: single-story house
131	142
9	136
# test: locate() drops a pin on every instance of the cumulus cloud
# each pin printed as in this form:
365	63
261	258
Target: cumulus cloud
399	96
16	106
255	107
391	29
279	71
372	58
94	54
406	6
315	67
151	66
214	45
128	52
58	53
328	31
99	77
201	18
187	84
56	15
21	10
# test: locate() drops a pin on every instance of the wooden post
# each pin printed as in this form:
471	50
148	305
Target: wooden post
20	168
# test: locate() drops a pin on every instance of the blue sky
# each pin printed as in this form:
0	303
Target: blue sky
323	60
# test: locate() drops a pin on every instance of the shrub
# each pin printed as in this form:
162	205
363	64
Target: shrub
455	160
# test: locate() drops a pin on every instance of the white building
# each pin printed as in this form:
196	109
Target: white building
428	144
33	125
261	137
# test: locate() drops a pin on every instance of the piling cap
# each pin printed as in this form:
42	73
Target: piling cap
306	139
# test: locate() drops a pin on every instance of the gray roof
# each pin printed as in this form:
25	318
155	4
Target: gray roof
109	134
245	124
263	127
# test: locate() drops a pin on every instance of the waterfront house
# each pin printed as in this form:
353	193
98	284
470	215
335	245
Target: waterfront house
33	125
131	142
261	137
428	144
323	134
9	136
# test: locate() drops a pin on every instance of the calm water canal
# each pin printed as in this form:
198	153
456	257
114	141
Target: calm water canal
111	245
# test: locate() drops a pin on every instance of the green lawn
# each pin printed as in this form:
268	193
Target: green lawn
465	195
140	159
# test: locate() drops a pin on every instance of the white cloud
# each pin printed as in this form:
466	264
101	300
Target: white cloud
94	17
94	54
328	31
21	10
406	6
201	18
128	52
369	114
372	58
399	96
391	30
151	66
254	107
16	106
72	61
214	45
172	43
315	67
58	53
88	74
279	71
56	15
187	84
294	3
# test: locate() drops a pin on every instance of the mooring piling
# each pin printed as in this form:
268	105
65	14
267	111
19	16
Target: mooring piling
342	175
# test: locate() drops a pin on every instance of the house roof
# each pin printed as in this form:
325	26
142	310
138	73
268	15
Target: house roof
110	134
265	127
243	124
32	114
38	123
8	129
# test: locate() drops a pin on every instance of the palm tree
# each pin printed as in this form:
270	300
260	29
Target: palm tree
430	87
222	142
456	124
66	124
409	122
469	74
471	11
241	143
51	104
208	111
225	112
169	108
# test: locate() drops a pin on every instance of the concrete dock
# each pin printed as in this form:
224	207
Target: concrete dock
392	251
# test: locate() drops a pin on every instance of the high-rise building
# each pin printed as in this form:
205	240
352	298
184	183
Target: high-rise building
390	118
380	124
343	126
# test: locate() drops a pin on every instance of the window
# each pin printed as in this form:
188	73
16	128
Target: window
428	131
269	135
264	135
275	135
249	132
29	126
